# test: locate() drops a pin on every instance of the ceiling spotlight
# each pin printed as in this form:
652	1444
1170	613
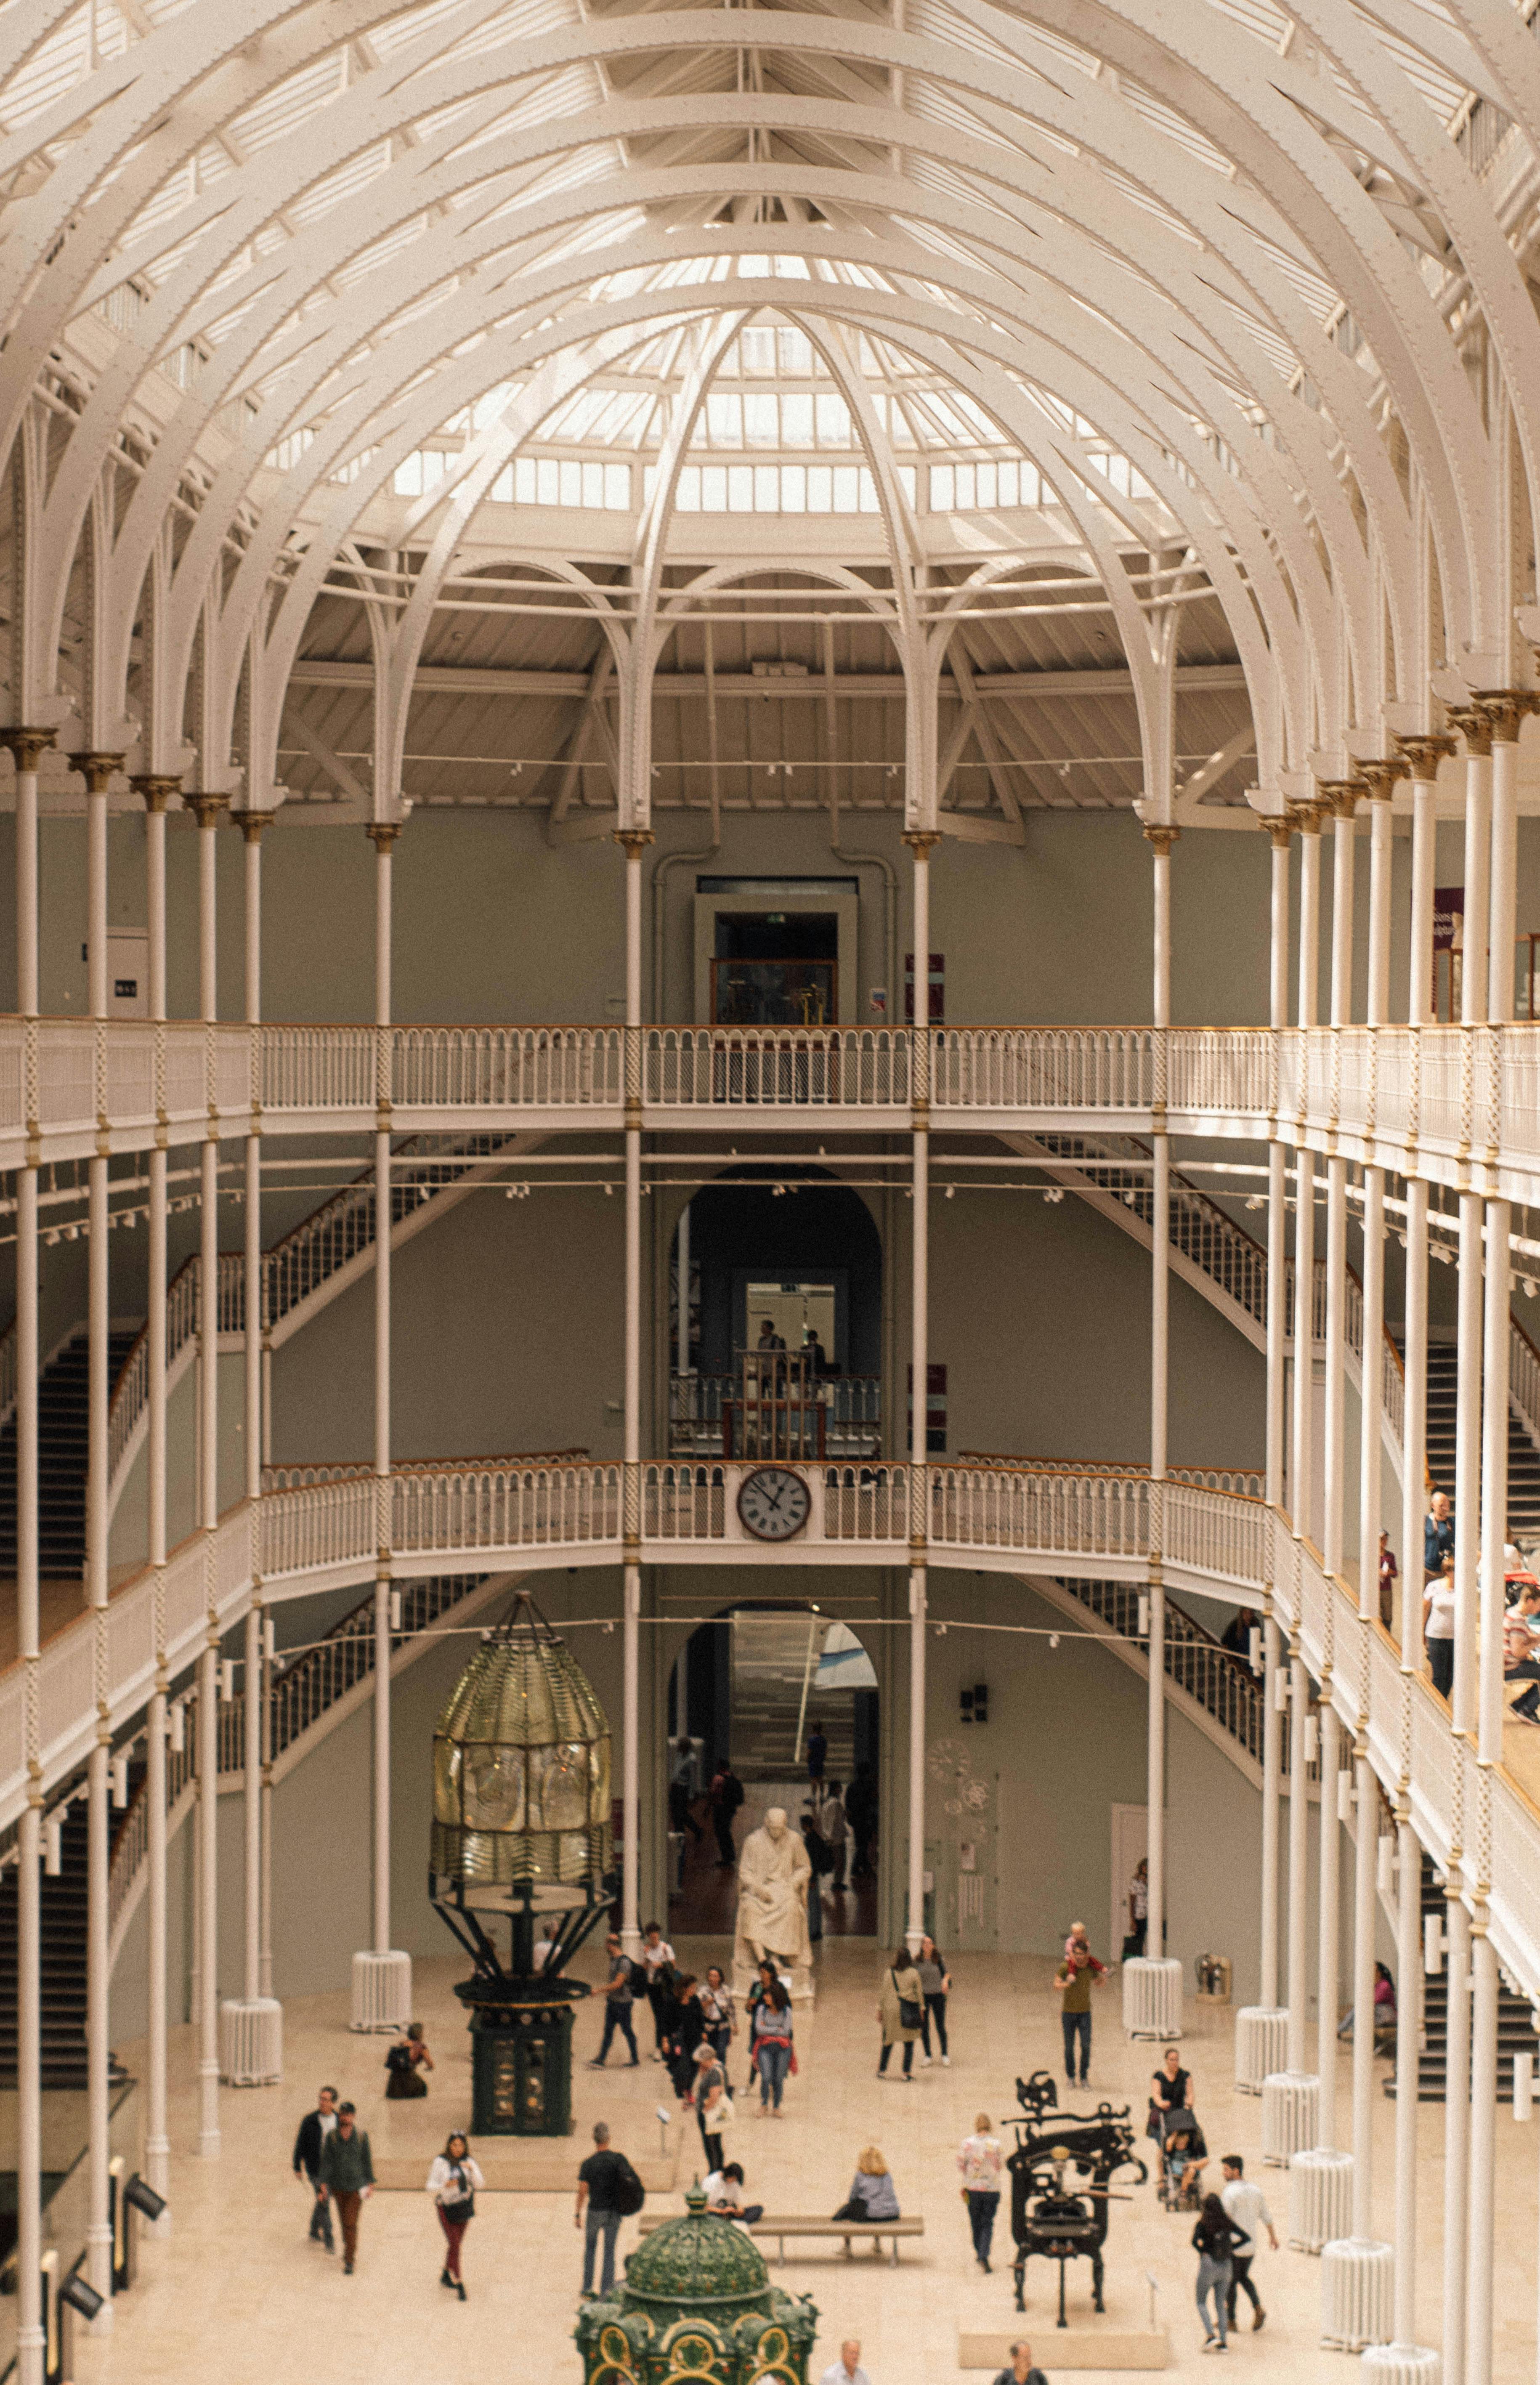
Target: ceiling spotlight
1256	1201
1064	769
1529	1287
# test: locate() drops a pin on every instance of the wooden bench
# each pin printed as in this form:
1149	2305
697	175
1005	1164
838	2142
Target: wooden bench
879	2230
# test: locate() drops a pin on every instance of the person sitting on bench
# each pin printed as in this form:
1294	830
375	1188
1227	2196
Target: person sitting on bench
872	2194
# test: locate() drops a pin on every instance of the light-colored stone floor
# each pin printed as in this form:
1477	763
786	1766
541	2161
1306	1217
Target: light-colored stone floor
236	2297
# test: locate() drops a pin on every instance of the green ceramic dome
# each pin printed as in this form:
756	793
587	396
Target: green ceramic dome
701	2264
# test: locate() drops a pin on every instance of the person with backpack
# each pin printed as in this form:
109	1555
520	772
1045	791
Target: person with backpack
618	2002
405	2059
452	2182
608	2192
1216	2240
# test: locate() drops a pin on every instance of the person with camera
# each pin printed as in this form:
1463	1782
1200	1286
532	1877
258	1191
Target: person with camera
452	2182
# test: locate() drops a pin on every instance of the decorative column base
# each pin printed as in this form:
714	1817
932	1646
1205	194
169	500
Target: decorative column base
1291	2115
381	1992
1152	1996
1321	2197
1261	2045
251	2042
1357	2276
1401	2364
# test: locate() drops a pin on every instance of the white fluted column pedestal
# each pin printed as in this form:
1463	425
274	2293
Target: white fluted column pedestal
1321	2197
1356	2280
1400	2364
251	2041
381	1992
1291	2115
1261	2045
1152	1996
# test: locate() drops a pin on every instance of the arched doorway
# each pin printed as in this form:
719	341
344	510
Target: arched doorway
752	1688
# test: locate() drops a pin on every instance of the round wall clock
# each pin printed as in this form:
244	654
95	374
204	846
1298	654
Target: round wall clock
773	1503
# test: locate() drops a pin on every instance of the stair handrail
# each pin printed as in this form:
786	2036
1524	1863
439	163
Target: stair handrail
131	1842
1523	1377
1212	1675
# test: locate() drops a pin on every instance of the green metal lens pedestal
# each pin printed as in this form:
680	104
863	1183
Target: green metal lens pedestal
521	2060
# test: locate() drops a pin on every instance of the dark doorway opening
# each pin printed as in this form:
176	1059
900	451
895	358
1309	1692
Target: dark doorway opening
752	1687
775	969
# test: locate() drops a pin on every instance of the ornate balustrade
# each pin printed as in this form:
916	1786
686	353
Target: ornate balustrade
495	1514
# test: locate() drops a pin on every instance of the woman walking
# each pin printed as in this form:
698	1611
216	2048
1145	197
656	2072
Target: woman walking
770	2042
982	2161
452	2182
715	2000
901	2011
936	1979
715	2112
1216	2240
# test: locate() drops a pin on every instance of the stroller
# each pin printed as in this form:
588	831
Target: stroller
1184	2150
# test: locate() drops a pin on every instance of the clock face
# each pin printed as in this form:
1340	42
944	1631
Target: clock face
773	1503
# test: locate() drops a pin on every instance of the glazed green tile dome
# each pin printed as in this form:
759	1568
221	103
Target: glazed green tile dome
521	1765
701	2264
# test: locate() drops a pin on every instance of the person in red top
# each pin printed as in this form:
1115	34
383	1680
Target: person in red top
1076	1976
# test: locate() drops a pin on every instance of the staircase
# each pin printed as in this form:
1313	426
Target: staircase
1515	2033
64	1964
1523	1458
63	1433
770	1658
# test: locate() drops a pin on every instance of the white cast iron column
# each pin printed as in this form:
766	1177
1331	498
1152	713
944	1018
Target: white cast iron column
920	842
634	843
97	770
1152	1984
25	745
157	789
382	1975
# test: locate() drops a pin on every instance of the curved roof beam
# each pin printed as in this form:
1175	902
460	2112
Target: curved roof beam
1089	96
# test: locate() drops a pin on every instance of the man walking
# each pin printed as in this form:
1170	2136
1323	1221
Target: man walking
1244	2204
1075	1977
347	2175
617	2007
599	2188
314	2130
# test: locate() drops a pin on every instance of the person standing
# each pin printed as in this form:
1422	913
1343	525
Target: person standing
1438	1535
1216	2240
1021	2371
686	2027
846	2369
727	1795
714	2110
452	2182
982	2161
900	2010
1389	1574
314	2130
770	2027
348	2174
819	1861
1246	2207
936	1982
860	1812
680	1781
617	2010
606	2183
818	1753
1075	1977
1438	1628
657	1962
1138	1909
833	1828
